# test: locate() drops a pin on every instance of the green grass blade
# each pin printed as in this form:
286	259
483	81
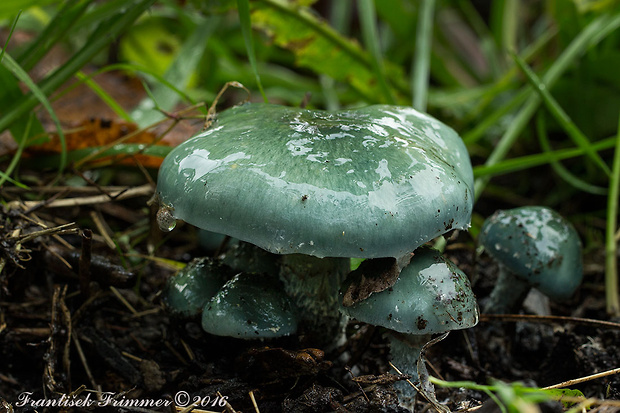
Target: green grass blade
106	32
131	68
97	152
560	115
529	161
505	23
6	175
9	8
472	136
368	22
66	17
178	74
339	17
103	95
38	94
558	167
611	243
246	29
10	35
575	49
422	54
503	84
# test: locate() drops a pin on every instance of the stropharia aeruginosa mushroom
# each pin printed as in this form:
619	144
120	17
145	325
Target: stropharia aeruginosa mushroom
187	292
431	295
250	306
320	186
534	247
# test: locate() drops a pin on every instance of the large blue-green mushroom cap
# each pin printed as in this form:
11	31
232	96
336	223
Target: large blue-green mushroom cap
373	182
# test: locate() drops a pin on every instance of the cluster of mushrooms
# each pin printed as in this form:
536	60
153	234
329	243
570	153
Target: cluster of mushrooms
305	191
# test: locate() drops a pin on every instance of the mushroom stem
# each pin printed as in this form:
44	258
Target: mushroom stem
405	351
508	293
313	284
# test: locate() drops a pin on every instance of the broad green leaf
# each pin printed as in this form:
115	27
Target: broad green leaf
320	48
9	8
151	43
178	74
210	7
560	394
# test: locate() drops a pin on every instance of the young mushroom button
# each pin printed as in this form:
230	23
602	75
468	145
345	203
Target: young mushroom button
535	247
187	292
250	306
320	188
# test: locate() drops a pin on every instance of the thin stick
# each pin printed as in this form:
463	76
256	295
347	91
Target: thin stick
188	350
583	379
229	408
84	263
61	229
123	300
131	356
103	230
548	319
175	352
66	314
89	200
407	380
347	368
190	408
78	347
254	401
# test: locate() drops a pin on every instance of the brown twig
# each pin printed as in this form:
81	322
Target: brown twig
227	405
143	190
583	379
78	347
66	359
254	401
212	109
84	263
103	229
58	230
347	368
549	319
123	300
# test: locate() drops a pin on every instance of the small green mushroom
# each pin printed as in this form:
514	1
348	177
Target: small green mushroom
535	247
430	296
187	292
250	306
320	188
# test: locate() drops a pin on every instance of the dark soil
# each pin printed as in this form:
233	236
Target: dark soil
100	326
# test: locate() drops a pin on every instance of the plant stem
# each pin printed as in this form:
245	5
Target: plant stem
422	55
405	350
368	22
611	246
313	284
243	6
